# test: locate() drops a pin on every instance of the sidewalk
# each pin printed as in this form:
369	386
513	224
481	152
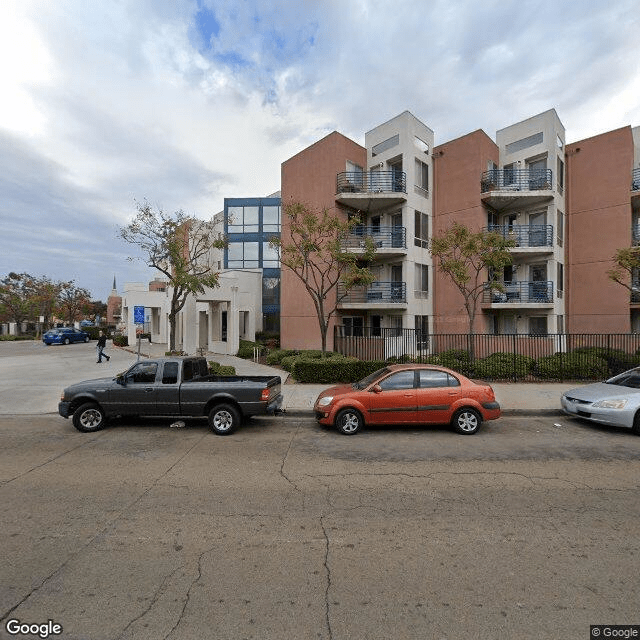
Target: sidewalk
518	398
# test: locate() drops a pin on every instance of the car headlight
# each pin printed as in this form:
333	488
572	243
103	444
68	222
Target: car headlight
325	401
618	403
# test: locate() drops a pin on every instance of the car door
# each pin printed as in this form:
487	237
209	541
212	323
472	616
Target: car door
436	393
168	391
137	394
395	401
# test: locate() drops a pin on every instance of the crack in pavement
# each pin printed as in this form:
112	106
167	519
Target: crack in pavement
46	462
100	533
284	460
327	569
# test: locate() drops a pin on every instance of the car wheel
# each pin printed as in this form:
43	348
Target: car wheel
466	421
349	422
224	419
65	341
88	417
636	424
86	339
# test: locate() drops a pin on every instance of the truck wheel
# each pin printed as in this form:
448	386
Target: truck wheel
224	419
88	417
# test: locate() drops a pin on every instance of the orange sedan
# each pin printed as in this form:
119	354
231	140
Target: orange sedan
408	394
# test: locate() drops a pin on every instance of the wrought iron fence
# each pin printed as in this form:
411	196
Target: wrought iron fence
530	235
382	237
516	180
514	357
371	182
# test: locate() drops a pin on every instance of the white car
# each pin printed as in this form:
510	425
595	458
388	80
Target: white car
615	402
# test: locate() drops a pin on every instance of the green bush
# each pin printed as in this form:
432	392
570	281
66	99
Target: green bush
503	366
217	369
121	341
458	360
246	348
24	336
333	370
275	357
571	366
617	360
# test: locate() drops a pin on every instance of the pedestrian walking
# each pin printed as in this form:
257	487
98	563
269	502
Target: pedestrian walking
102	343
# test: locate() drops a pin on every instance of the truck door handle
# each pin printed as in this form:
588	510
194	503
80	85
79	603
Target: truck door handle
148	389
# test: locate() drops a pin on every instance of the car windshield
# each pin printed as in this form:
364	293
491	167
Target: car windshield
365	382
629	379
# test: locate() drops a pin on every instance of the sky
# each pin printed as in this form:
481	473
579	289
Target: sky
185	102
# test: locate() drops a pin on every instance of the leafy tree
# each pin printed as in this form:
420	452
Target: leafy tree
467	258
626	269
73	302
178	246
315	253
16	297
46	295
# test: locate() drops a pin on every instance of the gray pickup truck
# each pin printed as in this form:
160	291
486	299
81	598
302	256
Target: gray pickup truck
172	387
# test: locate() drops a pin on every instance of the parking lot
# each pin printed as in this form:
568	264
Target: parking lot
529	529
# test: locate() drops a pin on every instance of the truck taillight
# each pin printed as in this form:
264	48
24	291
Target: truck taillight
265	394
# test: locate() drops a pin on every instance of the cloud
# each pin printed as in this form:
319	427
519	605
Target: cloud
185	103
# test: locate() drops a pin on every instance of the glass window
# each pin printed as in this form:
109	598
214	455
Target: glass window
387	144
251	218
560	228
235	218
421	230
271	218
270	291
422	278
560	284
143	373
422	175
269	256
251	256
400	380
235	257
170	373
428	379
421	144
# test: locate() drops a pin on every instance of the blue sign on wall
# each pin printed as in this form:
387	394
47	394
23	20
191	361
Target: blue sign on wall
138	315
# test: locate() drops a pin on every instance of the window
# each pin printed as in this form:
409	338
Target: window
538	326
422	176
422	281
143	373
376	326
560	228
251	219
525	143
269	256
353	325
560	283
270	291
387	144
421	144
395	323
560	324
243	219
429	379
422	332
421	231
400	380
170	373
560	176
271	218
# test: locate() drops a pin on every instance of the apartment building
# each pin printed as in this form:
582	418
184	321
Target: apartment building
567	208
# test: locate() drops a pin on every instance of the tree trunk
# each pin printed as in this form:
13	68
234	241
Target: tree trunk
172	332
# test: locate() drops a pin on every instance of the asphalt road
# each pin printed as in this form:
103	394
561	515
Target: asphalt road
529	529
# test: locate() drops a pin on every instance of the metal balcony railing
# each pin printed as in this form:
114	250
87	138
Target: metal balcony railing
375	293
635	180
520	293
635	235
372	182
516	180
382	237
532	235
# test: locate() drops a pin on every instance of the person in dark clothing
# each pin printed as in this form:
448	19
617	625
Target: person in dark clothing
102	343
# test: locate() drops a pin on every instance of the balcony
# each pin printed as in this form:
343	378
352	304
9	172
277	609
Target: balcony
531	238
504	188
388	241
377	295
371	191
635	235
519	293
635	180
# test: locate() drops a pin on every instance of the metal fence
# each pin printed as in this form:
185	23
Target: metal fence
516	357
516	180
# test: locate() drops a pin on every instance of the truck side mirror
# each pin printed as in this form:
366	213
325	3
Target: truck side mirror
121	380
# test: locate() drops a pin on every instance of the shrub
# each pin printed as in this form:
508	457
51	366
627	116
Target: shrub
503	366
246	348
217	369
275	357
458	360
574	366
121	341
22	336
617	360
333	370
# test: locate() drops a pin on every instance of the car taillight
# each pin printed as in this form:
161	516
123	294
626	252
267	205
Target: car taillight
265	394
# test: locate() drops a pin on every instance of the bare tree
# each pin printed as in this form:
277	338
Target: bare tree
179	247
315	252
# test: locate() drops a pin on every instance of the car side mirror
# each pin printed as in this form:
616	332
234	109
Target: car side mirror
120	379
376	388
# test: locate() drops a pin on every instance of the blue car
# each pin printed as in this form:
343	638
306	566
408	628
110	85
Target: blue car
65	335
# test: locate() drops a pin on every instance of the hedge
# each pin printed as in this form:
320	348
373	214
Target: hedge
275	357
333	370
571	366
503	366
121	341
